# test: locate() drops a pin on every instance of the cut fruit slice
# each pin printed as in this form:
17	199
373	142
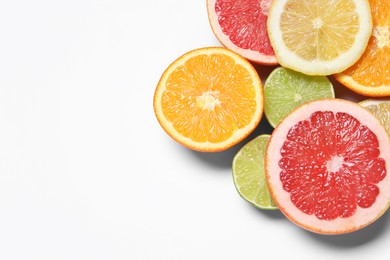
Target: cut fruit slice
319	37
327	167
381	109
209	99
248	173
285	90
370	76
241	26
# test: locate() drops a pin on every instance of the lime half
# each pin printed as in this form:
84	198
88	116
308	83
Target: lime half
286	89
248	173
381	110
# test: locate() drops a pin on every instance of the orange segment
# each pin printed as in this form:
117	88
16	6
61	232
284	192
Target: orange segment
209	99
370	76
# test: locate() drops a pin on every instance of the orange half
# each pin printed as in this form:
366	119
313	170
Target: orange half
209	99
370	76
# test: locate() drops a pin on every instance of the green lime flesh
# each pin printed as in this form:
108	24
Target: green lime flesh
286	89
248	173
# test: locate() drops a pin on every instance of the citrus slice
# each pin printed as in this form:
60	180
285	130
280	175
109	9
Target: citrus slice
241	26
209	99
381	109
319	37
248	173
370	76
286	89
328	167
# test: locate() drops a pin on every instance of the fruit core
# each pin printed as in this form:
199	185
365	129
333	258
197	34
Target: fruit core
297	97
330	164
335	163
382	36
317	23
264	6
208	100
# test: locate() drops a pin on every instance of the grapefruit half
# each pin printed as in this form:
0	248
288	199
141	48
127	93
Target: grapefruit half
241	26
328	167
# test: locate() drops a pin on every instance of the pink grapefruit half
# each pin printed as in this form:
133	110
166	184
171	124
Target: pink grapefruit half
241	26
328	167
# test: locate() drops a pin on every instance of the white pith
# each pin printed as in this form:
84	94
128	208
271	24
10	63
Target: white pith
334	164
265	6
317	23
382	36
208	100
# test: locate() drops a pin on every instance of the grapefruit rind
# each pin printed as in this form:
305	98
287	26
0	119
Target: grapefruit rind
239	134
289	59
253	56
362	217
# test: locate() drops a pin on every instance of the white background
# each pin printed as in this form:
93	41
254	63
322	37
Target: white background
86	172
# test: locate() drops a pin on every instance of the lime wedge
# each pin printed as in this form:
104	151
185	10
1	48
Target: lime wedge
248	173
381	110
286	89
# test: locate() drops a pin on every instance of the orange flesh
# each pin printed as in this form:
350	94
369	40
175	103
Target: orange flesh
373	69
330	165
209	97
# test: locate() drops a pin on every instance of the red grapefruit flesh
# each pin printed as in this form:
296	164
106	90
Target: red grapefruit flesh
328	167
241	26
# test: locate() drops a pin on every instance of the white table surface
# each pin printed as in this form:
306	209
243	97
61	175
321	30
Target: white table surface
86	172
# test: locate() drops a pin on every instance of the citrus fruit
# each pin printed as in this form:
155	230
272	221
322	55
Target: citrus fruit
286	89
241	26
370	76
319	37
248	173
327	167
209	99
381	109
